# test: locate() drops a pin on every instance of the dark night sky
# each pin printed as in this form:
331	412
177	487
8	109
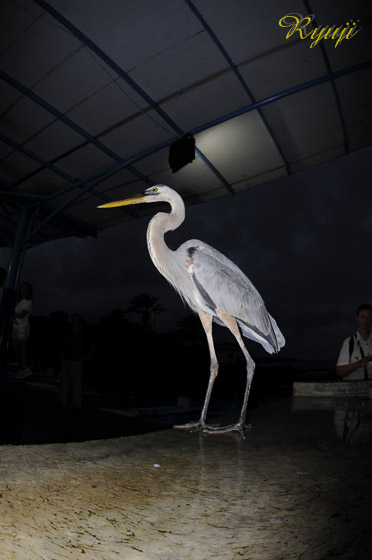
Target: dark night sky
303	240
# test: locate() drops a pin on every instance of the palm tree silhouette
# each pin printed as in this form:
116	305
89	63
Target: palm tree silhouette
147	307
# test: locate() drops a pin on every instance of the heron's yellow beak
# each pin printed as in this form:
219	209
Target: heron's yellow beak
136	199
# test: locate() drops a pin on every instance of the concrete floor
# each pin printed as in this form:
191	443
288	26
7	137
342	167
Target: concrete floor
293	489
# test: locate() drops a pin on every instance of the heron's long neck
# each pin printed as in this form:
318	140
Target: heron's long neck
158	227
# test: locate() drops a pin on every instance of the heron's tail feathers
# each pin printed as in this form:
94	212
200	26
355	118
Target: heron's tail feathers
280	340
272	341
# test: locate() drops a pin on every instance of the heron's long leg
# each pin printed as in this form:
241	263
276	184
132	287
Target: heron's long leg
232	325
206	321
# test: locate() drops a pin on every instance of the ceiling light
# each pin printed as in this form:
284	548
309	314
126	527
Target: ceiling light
181	152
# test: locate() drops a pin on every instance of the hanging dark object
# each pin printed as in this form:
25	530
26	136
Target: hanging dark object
181	152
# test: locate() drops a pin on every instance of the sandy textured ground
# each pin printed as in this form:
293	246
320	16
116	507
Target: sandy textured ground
290	490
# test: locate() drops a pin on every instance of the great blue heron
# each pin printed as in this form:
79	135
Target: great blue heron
213	286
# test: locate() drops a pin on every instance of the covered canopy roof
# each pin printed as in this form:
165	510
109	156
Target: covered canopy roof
94	92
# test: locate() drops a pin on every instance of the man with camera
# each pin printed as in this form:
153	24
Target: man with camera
355	359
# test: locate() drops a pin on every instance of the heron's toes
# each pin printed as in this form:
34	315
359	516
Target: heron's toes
190	426
214	428
217	429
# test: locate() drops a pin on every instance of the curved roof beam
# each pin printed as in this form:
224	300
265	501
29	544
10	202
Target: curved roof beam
107	173
70	224
333	84
44	163
103	56
69	122
241	81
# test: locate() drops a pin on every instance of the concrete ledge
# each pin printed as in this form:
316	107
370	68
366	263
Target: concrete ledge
332	389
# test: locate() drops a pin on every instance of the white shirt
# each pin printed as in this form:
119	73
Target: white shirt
23	305
344	357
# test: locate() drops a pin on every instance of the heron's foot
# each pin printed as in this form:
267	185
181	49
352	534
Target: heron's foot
191	426
201	426
239	427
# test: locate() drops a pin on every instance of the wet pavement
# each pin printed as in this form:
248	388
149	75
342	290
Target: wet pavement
298	487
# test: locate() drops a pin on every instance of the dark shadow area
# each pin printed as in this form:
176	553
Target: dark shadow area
30	411
136	381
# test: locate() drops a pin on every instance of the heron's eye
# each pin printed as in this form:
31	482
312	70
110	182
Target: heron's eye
154	189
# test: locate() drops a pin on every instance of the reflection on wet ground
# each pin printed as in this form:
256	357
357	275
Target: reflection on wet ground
295	488
352	416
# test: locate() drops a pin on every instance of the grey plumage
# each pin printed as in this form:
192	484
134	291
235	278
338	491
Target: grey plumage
213	286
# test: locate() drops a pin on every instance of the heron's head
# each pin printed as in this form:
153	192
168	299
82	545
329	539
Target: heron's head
157	193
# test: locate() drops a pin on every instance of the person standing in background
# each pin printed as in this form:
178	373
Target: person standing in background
21	328
355	359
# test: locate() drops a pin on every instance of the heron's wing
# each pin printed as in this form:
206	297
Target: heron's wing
222	285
